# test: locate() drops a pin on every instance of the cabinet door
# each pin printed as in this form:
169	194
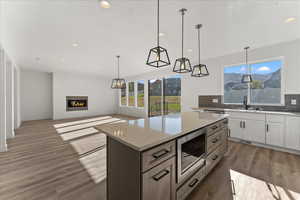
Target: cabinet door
159	182
254	130
292	136
275	134
235	126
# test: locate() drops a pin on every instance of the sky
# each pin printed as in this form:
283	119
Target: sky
257	68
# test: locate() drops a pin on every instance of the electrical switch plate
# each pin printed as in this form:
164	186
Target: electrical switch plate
294	101
215	101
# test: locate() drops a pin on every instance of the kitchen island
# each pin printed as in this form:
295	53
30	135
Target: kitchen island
163	157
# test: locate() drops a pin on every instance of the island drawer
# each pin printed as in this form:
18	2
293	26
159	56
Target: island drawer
213	159
216	127
215	140
157	155
190	185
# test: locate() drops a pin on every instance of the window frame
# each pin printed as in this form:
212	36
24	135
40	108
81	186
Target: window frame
283	82
137	90
120	97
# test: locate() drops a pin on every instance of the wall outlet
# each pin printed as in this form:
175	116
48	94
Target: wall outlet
215	101
294	101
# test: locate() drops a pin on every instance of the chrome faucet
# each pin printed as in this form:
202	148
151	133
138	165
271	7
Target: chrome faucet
245	102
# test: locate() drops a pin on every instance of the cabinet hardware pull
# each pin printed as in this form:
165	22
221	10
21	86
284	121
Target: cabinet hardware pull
192	184
241	124
161	174
215	140
233	187
214	127
267	127
244	124
160	153
215	157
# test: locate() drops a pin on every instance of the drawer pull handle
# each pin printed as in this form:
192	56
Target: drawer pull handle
215	157
160	153
192	184
215	140
161	174
214	127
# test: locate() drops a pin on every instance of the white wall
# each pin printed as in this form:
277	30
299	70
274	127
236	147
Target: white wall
17	101
101	98
10	133
36	95
192	87
3	146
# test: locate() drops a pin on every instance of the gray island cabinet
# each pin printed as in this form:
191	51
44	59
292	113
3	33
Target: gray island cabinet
164	157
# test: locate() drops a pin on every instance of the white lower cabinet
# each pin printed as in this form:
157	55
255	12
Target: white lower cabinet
236	130
292	136
271	129
255	131
275	134
275	130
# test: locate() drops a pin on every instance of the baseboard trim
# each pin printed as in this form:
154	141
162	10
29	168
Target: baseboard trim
3	148
267	146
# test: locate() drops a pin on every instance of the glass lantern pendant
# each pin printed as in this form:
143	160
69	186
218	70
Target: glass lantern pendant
247	78
199	70
158	56
182	65
118	83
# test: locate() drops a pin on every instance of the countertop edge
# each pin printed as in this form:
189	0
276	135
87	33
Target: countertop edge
295	114
161	141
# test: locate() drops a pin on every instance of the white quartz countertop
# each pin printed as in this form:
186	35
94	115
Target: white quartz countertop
296	114
143	134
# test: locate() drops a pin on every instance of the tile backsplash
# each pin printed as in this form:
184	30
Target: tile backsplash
217	101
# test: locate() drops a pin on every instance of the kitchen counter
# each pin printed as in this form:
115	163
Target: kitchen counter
296	114
143	134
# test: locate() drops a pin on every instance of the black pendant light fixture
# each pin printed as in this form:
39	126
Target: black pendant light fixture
247	78
199	70
158	56
118	83
182	65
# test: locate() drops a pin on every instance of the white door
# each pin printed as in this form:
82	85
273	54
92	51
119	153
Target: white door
255	131
235	126
275	134
292	136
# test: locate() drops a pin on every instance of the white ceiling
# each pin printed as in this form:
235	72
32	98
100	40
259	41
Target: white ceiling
46	29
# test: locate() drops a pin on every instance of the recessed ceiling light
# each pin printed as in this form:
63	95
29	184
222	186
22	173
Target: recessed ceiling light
290	19
190	50
75	44
104	4
161	34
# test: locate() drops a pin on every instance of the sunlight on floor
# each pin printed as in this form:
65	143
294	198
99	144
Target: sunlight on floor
245	187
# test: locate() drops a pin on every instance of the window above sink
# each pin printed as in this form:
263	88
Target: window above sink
267	87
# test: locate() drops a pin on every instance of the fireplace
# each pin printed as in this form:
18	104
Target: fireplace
76	103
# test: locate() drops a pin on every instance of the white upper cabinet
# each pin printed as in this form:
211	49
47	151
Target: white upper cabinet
292	136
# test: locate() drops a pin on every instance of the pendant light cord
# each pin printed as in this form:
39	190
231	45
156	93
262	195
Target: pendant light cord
247	65
118	66
198	27
158	23
182	23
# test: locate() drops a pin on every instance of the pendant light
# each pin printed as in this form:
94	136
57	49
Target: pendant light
158	56
118	83
247	78
199	70
182	65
